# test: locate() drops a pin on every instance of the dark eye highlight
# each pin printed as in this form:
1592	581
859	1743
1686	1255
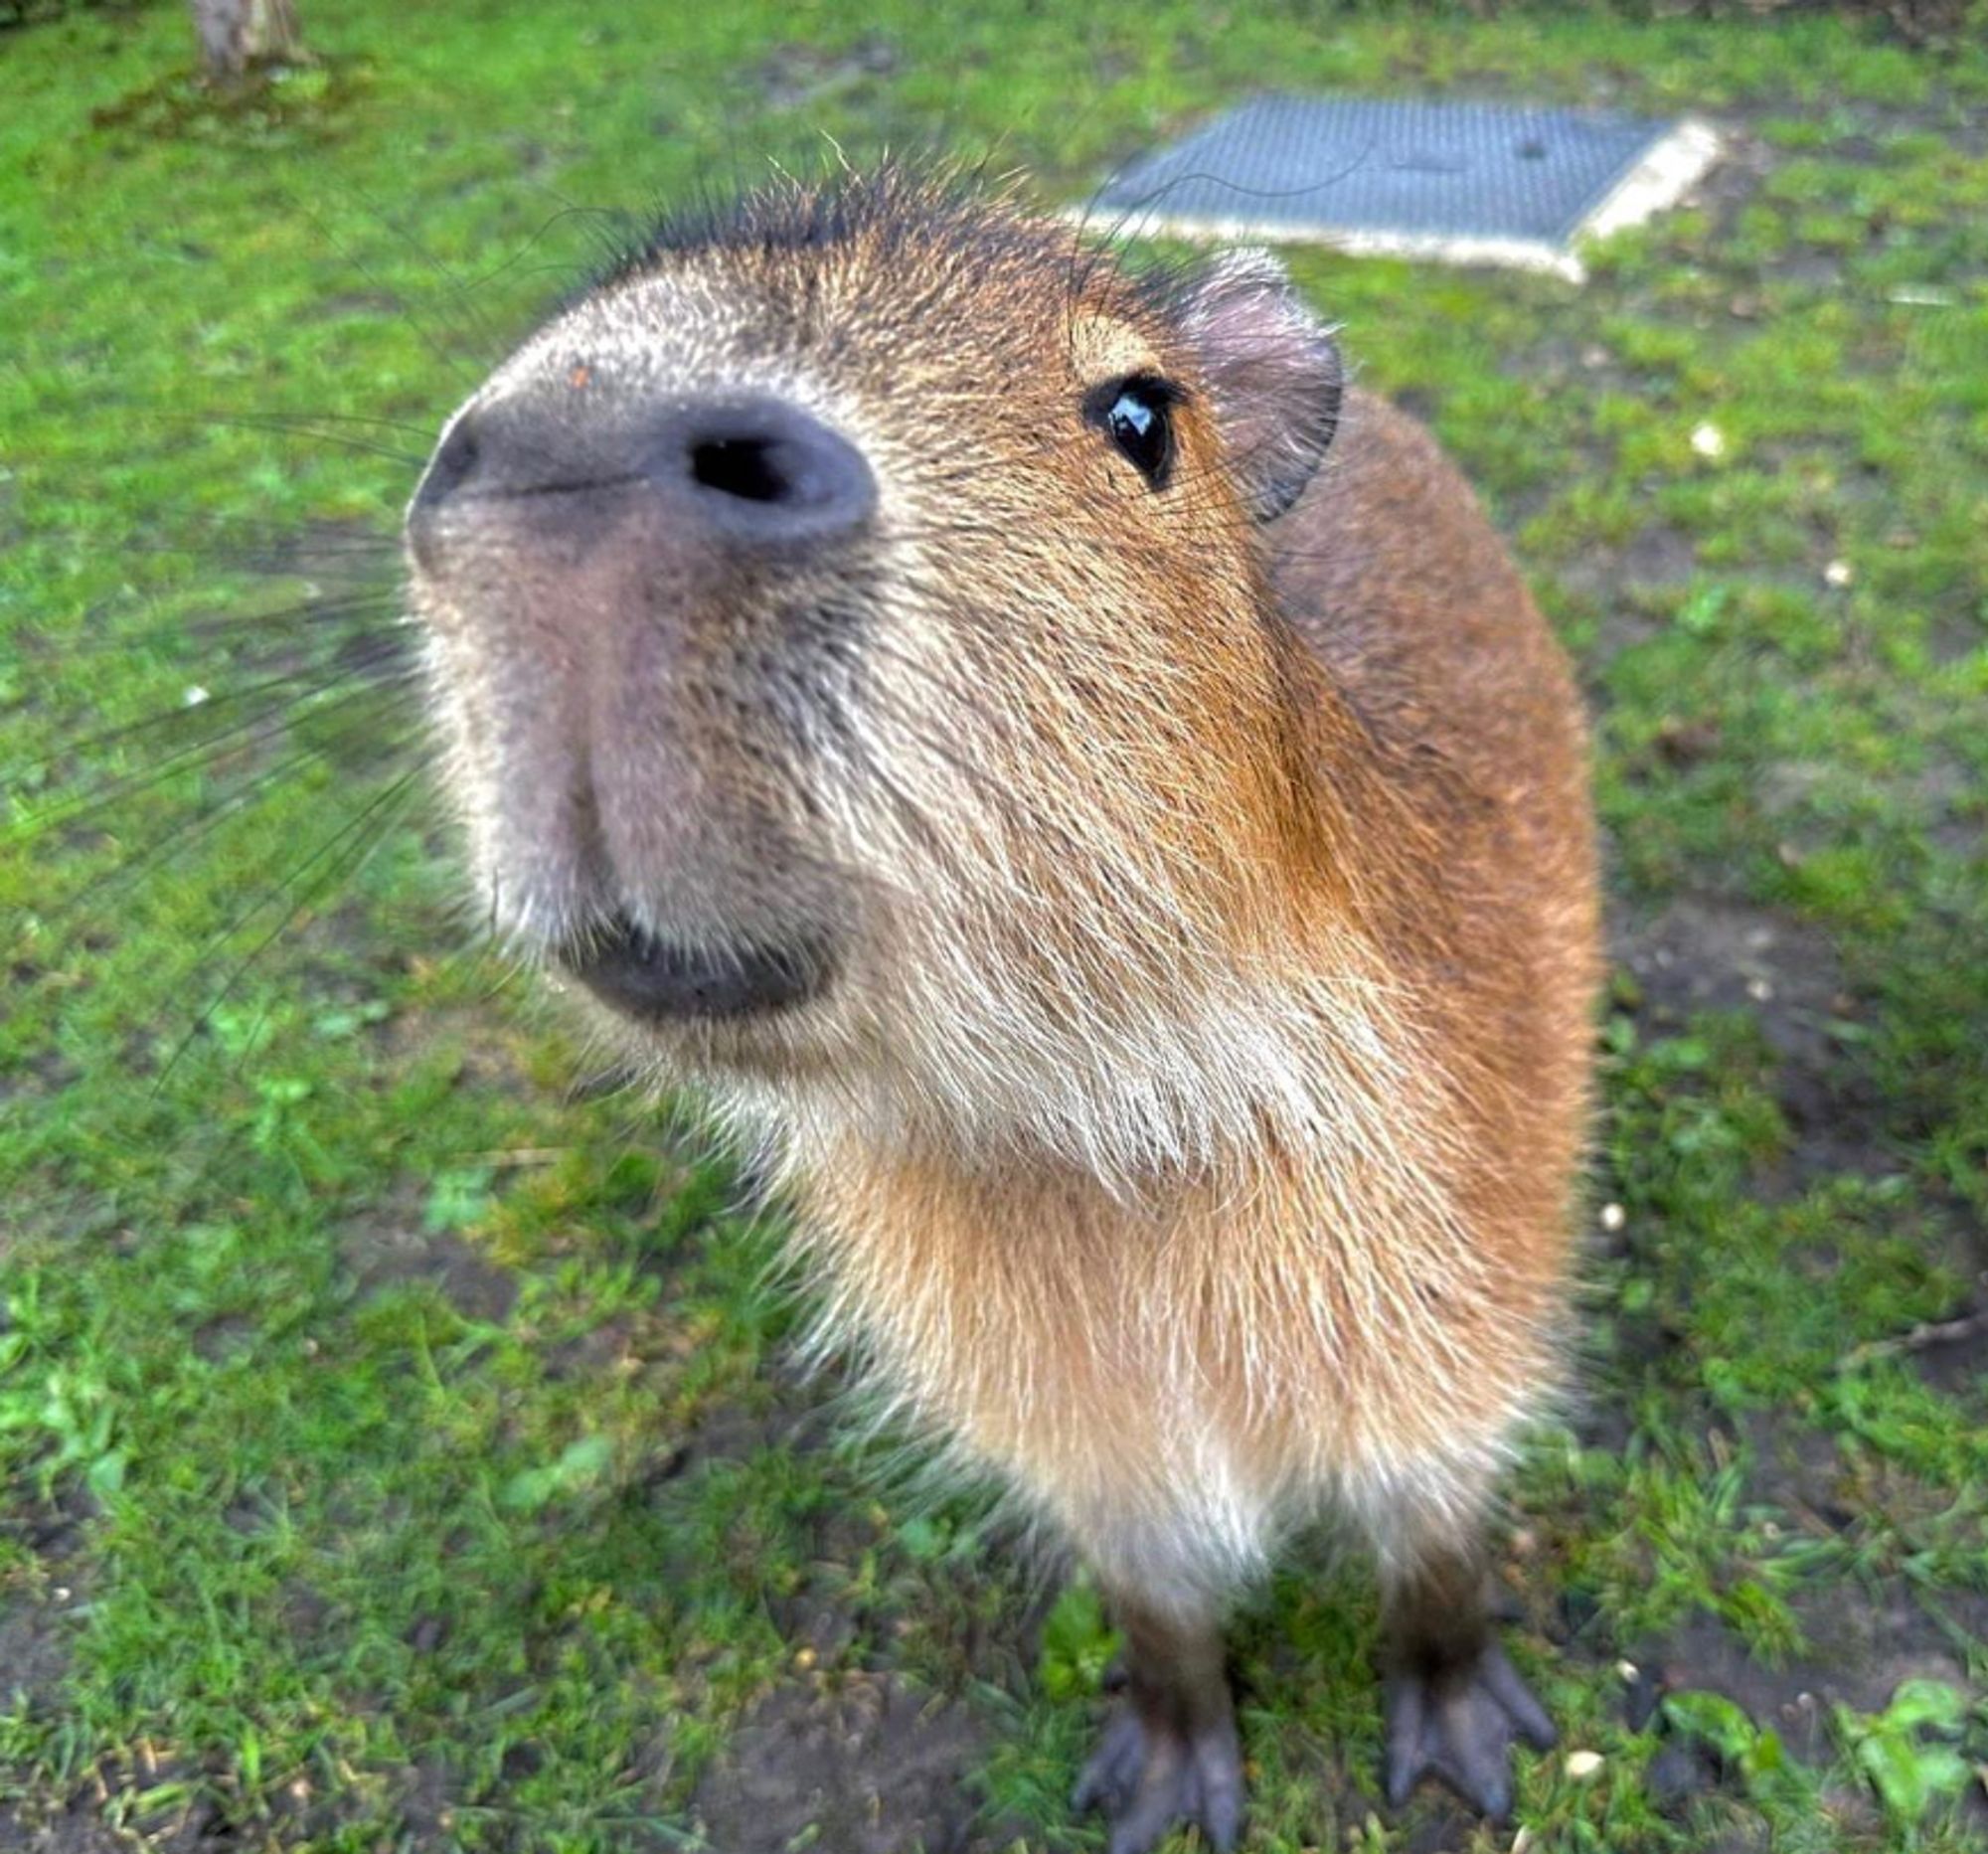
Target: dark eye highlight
1137	416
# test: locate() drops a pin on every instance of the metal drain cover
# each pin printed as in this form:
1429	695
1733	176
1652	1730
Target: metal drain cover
1455	182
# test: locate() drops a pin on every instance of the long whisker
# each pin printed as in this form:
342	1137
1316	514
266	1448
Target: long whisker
451	362
310	675
200	825
340	865
262	724
295	427
316	610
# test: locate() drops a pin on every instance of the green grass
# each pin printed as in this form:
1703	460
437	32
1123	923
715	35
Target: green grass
401	1453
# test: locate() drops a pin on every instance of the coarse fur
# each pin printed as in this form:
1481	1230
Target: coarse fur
1185	1127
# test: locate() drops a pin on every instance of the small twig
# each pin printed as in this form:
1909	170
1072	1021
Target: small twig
504	1156
1926	1334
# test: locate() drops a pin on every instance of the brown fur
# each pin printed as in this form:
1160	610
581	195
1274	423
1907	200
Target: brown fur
1442	735
1189	1129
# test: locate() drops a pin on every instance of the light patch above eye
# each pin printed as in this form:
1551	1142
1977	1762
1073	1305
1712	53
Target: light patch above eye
1103	348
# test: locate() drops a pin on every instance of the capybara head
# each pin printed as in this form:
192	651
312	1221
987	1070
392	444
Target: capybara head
850	634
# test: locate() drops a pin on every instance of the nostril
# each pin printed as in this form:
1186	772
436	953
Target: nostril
766	474
750	469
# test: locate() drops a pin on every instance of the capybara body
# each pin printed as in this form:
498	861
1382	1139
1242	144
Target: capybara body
1085	791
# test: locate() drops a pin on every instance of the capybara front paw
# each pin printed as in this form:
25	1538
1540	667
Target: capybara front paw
1459	1725
1146	1778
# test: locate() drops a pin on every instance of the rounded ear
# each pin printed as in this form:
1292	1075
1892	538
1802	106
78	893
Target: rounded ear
1273	371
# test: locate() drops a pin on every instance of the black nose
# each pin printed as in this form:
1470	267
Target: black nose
756	469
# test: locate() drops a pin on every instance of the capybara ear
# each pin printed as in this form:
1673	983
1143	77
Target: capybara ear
1272	374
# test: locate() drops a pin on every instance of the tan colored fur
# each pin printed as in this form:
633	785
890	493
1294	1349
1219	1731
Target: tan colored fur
1188	1132
1356	1301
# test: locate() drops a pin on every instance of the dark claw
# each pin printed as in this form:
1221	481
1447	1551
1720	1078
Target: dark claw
1460	1726
1145	1778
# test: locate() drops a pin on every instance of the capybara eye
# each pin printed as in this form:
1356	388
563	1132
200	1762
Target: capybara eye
1137	415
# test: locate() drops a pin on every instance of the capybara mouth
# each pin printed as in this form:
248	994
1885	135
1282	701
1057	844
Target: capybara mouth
657	981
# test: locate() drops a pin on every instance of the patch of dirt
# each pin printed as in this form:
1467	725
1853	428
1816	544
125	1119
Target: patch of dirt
383	1250
792	76
870	1769
1800	1470
1952	1355
33	1656
1699	953
475	1036
1956	806
102	1816
1656	559
72	1830
312	101
1858	1654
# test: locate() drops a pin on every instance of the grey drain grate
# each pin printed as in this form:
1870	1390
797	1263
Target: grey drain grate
1456	182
